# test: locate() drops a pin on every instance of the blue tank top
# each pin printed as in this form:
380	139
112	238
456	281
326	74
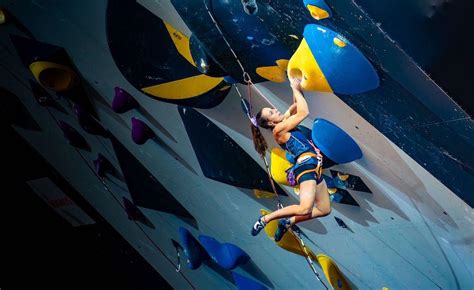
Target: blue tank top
297	144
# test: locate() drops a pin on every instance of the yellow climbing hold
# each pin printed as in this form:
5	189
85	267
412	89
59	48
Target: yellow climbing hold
56	77
263	194
289	241
224	88
332	190
271	73
342	177
181	42
317	12
184	88
304	66
339	42
332	272
274	73
282	64
278	165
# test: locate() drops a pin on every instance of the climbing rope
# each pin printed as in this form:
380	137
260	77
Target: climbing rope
303	247
272	182
261	94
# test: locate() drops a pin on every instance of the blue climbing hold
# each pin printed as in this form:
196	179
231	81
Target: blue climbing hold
244	283
334	142
194	252
226	255
345	68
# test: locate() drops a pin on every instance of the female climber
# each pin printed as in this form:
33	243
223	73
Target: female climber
314	198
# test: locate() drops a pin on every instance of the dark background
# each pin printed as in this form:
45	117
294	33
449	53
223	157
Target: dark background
41	249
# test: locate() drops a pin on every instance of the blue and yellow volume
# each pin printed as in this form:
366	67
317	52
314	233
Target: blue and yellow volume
325	61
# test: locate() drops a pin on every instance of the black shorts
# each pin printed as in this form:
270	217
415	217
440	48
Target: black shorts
307	171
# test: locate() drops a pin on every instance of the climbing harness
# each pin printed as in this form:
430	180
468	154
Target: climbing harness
291	178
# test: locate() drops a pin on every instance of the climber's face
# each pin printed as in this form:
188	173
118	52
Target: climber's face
273	116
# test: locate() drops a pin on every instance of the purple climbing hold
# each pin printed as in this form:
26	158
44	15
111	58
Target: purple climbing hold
73	137
102	166
123	101
88	123
141	132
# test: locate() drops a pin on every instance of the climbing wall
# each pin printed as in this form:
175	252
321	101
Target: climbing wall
144	119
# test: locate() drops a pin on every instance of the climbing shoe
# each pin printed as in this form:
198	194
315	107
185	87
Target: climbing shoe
283	226
258	226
